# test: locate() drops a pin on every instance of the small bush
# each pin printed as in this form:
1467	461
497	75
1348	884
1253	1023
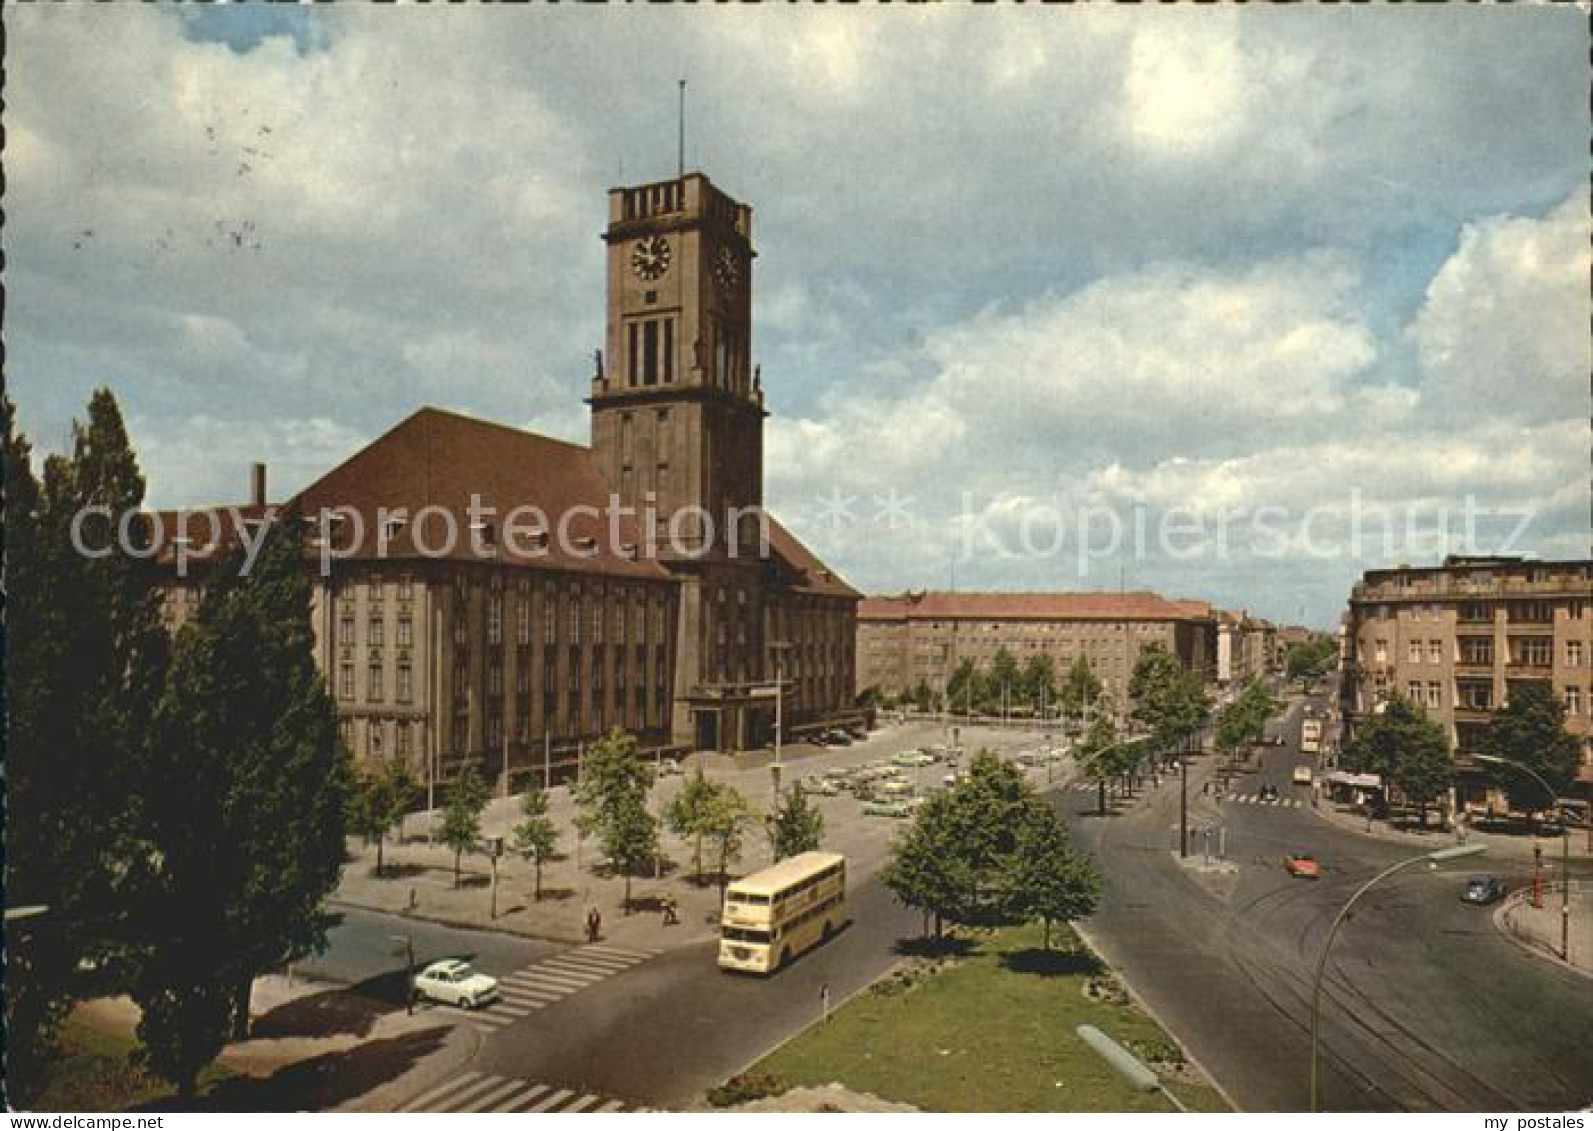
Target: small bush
1158	1051
745	1088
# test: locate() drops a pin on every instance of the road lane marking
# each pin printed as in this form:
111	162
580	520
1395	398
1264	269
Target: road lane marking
440	1090
504	1089
520	1102
582	1104
554	1100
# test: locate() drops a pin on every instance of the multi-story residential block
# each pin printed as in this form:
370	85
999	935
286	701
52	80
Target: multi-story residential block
492	593
1457	638
1246	648
921	637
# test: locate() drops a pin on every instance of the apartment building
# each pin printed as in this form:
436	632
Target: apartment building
1457	637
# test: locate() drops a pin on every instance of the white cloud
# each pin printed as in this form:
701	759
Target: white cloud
1504	328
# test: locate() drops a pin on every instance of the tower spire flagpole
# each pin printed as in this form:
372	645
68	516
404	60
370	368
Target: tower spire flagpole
680	137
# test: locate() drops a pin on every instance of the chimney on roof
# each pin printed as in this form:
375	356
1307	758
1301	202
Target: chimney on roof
257	485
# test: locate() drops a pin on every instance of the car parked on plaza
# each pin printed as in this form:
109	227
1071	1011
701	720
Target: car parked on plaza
1483	890
824	787
914	758
1302	865
1269	792
456	983
899	808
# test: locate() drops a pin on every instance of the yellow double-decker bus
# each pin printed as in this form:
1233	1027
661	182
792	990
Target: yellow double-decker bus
774	915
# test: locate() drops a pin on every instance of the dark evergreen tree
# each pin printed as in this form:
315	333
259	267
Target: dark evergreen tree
248	829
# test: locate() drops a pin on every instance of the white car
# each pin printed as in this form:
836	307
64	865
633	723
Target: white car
453	982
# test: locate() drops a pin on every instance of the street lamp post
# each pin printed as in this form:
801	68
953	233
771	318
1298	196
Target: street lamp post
778	647
1126	1064
1433	858
1565	850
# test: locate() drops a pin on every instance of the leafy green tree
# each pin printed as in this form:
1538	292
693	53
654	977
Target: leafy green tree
958	859
965	686
728	817
1167	698
1047	878
1102	757
686	814
923	698
1424	771
1530	730
1004	683
611	802
795	826
467	799
1039	682
535	837
1081	688
923	871
240	879
1309	660
379	801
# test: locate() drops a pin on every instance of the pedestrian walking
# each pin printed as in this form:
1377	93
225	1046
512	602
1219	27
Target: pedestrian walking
594	925
670	915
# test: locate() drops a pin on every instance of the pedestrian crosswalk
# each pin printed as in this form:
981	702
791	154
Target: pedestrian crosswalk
1257	799
1235	798
481	1092
541	984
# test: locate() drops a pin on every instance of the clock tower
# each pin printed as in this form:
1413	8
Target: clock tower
677	407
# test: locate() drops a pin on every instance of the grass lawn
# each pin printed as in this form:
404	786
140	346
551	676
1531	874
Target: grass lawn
95	1072
993	1031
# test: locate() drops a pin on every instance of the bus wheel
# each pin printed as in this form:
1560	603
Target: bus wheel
785	957
829	929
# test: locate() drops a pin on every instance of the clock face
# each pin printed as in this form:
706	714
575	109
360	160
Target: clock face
650	257
727	269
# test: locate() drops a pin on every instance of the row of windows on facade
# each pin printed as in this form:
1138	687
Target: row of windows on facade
1530	651
1520	612
1471	696
1141	627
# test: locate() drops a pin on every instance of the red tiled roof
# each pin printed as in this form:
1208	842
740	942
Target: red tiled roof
1029	606
437	461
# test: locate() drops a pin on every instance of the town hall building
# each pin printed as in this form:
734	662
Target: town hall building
636	583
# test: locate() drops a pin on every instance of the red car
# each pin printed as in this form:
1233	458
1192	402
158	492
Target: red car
1302	864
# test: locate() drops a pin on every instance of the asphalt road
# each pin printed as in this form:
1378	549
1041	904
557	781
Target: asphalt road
1426	1006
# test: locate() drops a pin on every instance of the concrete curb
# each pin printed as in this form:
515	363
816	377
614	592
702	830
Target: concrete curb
1134	996
1501	922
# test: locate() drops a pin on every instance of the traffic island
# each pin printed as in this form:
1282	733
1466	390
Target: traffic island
991	1029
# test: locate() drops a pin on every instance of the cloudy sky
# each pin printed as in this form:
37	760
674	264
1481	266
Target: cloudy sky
1229	303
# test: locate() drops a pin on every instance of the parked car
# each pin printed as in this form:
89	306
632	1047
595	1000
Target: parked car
825	787
894	787
1483	890
453	982
914	758
1269	792
899	809
1302	865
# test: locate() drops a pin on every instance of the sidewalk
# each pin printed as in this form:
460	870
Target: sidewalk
1500	846
1539	927
418	878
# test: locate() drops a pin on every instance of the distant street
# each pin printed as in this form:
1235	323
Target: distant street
1427	1006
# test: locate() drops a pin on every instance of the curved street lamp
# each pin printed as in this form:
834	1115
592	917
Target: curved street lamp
1433	858
1126	1064
1565	849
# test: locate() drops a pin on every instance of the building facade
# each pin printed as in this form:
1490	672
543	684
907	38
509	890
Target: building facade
922	637
485	592
1247	649
1456	638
